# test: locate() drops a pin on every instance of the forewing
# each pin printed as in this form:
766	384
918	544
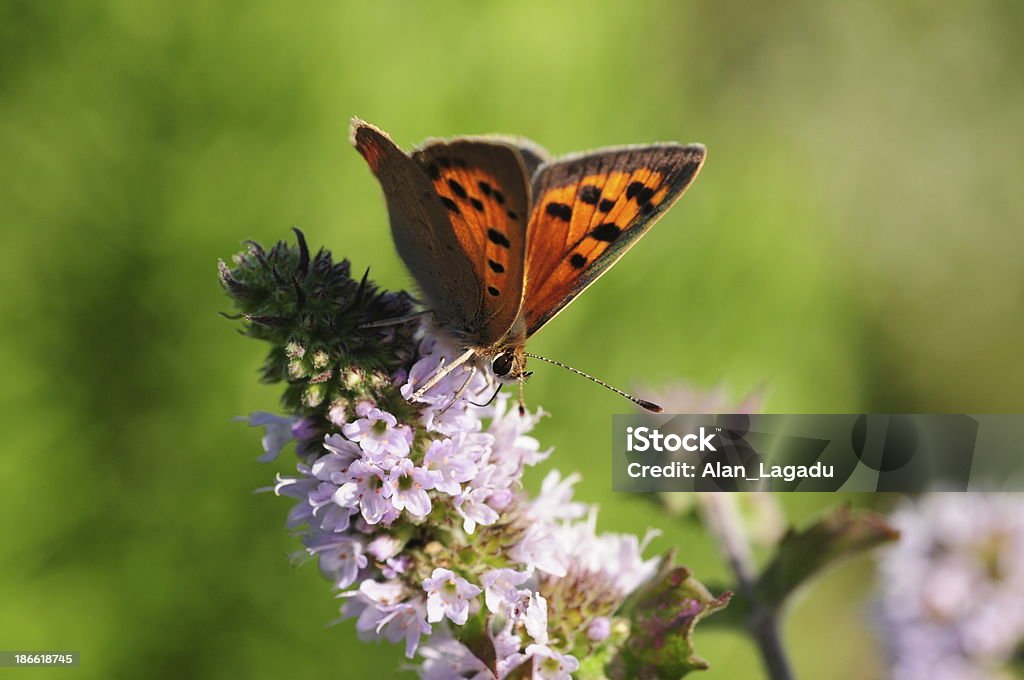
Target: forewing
589	210
421	230
534	155
482	186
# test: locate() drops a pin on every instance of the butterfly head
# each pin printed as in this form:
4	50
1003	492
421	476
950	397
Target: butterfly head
510	366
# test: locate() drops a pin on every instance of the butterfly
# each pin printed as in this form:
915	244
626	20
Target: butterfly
500	237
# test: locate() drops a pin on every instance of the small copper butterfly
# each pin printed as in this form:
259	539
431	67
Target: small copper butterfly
500	237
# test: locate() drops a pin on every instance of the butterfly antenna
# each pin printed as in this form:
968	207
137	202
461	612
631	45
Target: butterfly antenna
650	406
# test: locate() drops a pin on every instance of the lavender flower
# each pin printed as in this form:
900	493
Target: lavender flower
445	658
379	435
341	559
277	433
952	589
365	490
549	664
449	596
466	485
456	459
501	589
409	485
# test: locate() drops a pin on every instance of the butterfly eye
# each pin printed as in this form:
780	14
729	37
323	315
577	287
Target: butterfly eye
503	364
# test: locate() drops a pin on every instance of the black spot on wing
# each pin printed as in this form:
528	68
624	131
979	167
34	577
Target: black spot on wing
493	291
475	202
450	204
559	210
498	238
606	205
485	188
512	214
590	194
496	267
457	188
607	232
499	197
642	194
577	261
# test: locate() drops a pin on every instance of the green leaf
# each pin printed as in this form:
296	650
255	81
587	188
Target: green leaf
474	635
523	671
663	615
802	555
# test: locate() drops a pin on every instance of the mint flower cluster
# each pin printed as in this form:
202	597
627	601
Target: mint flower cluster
425	524
416	512
952	589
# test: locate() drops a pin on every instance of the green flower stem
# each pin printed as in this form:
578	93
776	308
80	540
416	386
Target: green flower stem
722	519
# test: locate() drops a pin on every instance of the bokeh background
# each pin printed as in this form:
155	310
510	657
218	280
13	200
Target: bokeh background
853	244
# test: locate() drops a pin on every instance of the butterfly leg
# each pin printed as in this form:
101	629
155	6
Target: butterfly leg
398	320
522	401
440	373
458	394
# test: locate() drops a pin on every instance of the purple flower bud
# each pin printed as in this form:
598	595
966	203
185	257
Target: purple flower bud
599	629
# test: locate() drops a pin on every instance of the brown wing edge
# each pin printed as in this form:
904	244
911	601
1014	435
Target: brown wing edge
432	255
533	155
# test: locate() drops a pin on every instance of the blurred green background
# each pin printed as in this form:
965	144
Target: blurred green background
853	243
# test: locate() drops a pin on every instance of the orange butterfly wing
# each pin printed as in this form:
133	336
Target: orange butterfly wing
483	187
458	212
589	210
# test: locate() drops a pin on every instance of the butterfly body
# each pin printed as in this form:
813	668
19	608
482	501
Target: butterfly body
500	237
